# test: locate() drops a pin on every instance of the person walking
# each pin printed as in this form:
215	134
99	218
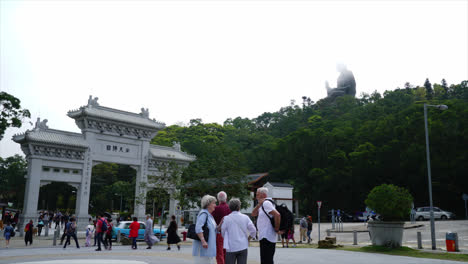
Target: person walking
71	232
205	250
134	227
108	233
64	231
40	224
45	219
89	234
150	238
290	235
101	228
236	230
8	232
57	217
95	230
265	210
309	228
172	236
219	213
302	229
28	236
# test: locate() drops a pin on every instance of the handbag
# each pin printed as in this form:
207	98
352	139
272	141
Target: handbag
193	235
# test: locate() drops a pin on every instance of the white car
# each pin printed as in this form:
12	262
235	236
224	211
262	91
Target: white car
423	213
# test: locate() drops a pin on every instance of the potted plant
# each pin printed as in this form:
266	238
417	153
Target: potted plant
393	203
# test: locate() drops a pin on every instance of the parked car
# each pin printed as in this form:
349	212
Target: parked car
345	217
365	216
423	213
124	227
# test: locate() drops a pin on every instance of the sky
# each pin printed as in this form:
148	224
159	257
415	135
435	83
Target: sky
217	59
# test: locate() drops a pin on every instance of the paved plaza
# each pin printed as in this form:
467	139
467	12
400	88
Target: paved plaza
42	250
124	255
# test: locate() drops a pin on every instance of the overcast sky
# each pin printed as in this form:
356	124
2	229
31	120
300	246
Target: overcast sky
217	59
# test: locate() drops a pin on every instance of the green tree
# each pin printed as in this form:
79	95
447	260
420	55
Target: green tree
429	91
109	181
219	166
12	180
12	113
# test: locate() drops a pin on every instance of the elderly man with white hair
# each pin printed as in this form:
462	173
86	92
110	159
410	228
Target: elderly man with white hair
265	210
219	213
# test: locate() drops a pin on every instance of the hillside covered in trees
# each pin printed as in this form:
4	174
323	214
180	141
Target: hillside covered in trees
335	152
338	151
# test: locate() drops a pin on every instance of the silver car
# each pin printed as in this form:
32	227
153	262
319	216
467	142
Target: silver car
423	213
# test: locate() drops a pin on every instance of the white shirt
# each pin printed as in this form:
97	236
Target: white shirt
235	228
265	228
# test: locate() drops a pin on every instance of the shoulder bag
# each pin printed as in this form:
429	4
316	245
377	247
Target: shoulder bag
193	235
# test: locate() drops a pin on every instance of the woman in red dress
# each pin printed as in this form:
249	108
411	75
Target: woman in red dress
134	227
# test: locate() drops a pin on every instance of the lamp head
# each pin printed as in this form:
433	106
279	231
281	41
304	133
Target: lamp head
442	107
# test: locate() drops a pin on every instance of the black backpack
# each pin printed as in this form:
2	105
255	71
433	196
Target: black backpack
287	217
103	226
71	228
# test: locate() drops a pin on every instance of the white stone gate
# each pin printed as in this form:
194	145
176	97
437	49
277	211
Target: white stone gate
107	135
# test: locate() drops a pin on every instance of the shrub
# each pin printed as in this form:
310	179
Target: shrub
393	203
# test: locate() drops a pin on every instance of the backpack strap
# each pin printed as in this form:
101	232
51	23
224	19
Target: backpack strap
273	203
272	218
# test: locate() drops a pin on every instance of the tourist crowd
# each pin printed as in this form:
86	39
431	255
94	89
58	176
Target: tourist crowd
223	232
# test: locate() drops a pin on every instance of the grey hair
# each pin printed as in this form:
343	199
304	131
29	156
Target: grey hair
222	196
207	200
263	190
234	204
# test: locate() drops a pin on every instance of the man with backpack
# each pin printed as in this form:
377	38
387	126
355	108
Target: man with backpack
266	210
71	232
101	229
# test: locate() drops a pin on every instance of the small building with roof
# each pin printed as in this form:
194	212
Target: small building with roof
279	192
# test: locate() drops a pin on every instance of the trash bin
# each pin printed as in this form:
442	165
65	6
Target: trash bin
450	239
184	234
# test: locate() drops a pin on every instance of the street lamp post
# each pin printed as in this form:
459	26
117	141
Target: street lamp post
120	201
440	107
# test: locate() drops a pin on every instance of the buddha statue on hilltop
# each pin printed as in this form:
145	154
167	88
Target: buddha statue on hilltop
346	84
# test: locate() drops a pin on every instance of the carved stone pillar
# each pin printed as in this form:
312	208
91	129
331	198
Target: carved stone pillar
140	195
82	193
31	193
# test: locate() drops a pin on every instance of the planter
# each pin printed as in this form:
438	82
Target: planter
386	233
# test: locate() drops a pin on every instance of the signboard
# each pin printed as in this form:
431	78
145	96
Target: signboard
319	204
465	196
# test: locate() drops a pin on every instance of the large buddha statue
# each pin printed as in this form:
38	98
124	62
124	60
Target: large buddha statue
346	85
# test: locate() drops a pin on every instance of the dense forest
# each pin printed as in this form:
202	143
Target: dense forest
333	151
337	151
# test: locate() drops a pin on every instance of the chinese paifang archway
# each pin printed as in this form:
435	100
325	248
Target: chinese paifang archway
107	135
